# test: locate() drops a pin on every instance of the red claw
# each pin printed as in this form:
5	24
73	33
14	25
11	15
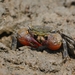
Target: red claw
26	39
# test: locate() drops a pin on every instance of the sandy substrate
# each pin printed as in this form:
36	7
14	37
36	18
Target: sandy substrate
16	14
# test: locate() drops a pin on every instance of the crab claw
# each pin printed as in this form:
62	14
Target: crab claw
54	41
26	39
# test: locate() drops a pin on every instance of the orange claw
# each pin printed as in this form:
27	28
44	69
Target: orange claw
54	41
26	39
21	36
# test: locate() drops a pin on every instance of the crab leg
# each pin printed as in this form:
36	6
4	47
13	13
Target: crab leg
69	39
14	42
65	51
70	43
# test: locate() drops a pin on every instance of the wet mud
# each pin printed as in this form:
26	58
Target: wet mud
17	14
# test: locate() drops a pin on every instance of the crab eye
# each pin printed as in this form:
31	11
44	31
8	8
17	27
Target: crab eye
35	36
46	37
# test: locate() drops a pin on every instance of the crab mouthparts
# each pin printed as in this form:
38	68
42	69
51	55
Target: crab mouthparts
40	39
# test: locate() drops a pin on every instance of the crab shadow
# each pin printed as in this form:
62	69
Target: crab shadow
41	49
47	50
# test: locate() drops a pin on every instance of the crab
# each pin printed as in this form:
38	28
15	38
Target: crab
40	37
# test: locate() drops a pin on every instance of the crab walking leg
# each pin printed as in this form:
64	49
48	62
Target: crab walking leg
14	42
69	39
65	52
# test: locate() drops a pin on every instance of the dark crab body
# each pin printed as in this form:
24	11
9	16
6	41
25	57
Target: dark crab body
42	37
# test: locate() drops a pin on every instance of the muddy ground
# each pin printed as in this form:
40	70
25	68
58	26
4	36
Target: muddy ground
16	14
